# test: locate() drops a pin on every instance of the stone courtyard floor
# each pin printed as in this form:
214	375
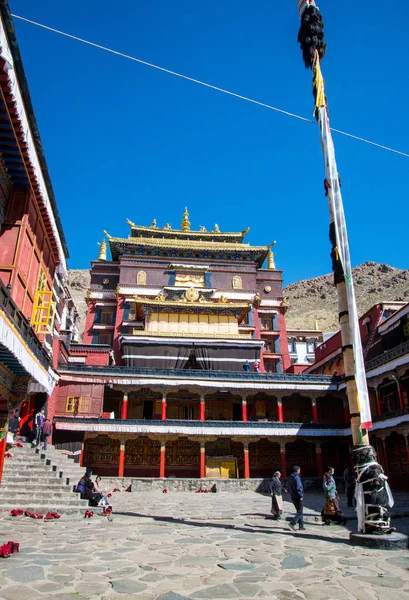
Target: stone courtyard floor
184	545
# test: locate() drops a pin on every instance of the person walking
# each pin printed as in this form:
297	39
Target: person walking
47	430
297	497
39	422
350	481
331	513
276	491
13	426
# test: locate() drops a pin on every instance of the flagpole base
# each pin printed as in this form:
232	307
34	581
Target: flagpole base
390	541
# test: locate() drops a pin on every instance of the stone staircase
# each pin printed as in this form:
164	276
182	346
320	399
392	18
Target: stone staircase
41	481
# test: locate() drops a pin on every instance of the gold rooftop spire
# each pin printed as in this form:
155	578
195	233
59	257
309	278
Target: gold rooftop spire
270	260
102	250
185	224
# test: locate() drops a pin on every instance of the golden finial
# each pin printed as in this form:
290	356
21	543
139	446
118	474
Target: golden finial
154	226
245	231
270	260
185	224
216	228
102	250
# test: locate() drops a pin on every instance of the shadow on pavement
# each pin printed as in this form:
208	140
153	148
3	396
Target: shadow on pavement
249	529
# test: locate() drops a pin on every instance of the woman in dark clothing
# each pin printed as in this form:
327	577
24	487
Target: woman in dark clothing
14	423
276	491
85	485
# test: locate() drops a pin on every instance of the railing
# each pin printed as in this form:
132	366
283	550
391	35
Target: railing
203	424
391	415
387	356
9	308
201	374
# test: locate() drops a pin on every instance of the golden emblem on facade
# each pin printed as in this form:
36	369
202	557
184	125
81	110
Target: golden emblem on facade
191	294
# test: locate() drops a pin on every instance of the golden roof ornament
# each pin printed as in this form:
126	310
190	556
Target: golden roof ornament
270	260
102	250
185	224
154	224
216	228
167	227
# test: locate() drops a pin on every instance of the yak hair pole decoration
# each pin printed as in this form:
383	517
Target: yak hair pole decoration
372	490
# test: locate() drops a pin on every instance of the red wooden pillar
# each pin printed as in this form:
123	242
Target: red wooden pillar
314	410
407	444
202	460
2	451
280	410
164	406
244	408
399	393
347	417
124	412
318	454
121	468
246	460
82	454
283	459
202	408
383	452
3	437
162	458
378	400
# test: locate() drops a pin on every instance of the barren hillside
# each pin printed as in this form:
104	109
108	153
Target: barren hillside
78	282
308	299
312	299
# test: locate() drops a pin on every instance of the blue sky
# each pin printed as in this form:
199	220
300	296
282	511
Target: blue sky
125	141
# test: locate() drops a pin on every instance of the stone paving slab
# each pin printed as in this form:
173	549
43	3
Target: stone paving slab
183	546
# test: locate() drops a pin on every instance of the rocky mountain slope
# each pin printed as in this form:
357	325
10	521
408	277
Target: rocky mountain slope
309	299
78	282
316	299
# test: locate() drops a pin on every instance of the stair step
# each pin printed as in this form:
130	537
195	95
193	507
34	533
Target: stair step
42	499
43	509
20	486
41	481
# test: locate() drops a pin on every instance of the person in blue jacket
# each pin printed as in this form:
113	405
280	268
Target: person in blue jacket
297	496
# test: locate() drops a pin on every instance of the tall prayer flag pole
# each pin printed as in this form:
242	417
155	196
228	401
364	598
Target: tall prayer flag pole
373	494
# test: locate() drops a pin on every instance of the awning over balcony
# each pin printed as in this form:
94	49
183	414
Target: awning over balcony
18	358
160	353
209	428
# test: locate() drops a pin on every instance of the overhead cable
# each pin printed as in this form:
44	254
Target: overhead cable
204	84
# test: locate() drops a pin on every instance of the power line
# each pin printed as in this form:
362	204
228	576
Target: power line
204	84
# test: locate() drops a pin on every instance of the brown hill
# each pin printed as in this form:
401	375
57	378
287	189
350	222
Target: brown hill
78	282
316	299
309	299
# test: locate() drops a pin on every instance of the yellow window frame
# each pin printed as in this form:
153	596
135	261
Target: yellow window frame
42	308
73	404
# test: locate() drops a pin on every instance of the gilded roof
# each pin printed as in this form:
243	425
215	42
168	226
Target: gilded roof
186	244
185	232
